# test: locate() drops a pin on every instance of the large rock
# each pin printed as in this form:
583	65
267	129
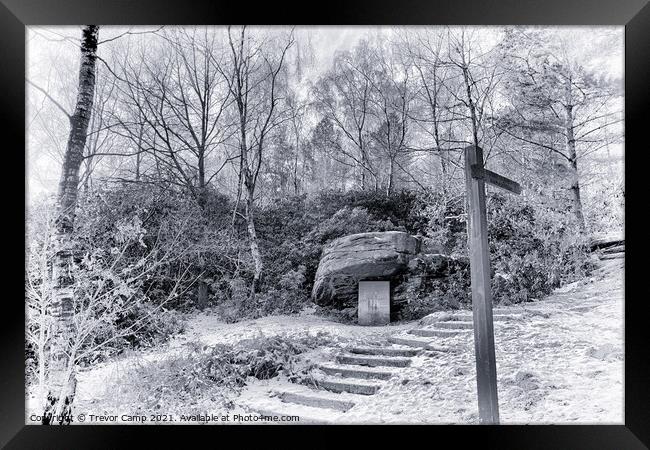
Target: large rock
427	279
364	256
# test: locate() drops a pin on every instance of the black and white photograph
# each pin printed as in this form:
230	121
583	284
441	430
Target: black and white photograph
359	225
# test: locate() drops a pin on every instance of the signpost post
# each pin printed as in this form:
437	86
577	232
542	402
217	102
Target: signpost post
486	370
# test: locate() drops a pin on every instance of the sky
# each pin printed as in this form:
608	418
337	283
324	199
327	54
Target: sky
53	53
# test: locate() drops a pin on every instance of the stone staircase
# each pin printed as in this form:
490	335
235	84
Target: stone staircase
609	247
336	386
359	372
613	252
458	326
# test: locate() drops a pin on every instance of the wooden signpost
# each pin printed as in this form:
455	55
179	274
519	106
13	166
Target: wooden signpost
486	370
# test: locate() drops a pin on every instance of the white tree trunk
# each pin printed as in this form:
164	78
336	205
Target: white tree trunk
61	377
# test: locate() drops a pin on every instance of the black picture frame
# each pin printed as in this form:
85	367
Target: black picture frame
633	14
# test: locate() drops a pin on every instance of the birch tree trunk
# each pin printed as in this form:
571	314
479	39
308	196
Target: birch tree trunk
255	249
364	164
573	159
391	174
256	120
575	178
61	377
202	286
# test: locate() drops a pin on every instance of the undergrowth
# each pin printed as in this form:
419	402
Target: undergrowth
212	376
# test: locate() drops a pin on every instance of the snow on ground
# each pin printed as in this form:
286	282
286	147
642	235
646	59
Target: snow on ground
555	364
560	360
105	388
210	330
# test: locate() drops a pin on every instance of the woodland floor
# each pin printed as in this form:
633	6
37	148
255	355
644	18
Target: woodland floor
560	361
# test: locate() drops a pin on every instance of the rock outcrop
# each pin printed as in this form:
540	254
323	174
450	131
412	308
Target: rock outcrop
364	256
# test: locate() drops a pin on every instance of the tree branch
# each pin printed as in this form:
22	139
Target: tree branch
56	103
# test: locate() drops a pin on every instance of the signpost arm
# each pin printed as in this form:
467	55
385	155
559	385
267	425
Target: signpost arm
486	370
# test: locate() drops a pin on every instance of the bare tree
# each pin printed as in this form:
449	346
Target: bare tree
434	111
177	109
176	112
101	139
38	288
253	79
391	99
343	95
61	377
297	125
480	78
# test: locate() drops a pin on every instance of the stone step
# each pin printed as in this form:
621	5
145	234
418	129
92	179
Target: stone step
468	317
410	340
508	312
434	349
384	351
315	400
342	385
614	249
613	256
430	348
606	242
455	324
432	332
584	308
374	361
350	371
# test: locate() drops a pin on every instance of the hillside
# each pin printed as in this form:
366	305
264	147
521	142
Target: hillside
559	359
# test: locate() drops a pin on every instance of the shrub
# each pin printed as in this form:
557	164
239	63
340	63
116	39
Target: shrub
349	221
346	315
200	238
214	374
262	358
288	297
233	300
533	251
425	296
119	285
159	328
